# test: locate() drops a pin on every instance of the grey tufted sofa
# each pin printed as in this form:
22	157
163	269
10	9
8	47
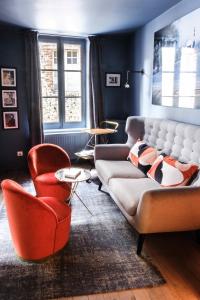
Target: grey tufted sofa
147	206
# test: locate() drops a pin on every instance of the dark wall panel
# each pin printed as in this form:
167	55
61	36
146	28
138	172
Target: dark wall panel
116	58
12	55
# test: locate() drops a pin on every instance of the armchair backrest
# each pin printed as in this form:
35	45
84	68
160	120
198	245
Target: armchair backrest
44	158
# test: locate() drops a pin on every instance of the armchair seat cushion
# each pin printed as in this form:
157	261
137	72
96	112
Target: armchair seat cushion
47	177
128	191
61	209
48	185
108	169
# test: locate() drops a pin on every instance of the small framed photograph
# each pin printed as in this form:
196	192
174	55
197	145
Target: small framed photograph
113	79
9	98
8	77
10	120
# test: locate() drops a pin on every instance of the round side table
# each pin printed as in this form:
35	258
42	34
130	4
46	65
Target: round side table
63	175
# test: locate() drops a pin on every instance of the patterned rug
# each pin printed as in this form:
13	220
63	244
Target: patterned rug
100	257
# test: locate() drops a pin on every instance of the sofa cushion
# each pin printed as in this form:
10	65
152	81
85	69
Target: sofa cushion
170	172
142	156
128	191
108	169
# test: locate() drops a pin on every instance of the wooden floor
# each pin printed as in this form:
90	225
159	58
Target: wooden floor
177	257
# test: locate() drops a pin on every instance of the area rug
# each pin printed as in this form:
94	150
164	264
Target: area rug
100	257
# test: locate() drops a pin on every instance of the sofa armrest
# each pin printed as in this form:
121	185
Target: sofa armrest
111	151
168	210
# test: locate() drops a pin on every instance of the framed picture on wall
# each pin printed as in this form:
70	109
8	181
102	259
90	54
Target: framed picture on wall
10	120
9	98
113	79
8	77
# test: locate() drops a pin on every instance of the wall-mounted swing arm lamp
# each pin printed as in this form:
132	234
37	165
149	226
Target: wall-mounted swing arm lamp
127	85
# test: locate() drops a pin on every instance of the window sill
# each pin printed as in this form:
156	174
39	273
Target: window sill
64	131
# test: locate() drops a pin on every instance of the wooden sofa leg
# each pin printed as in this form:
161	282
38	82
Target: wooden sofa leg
140	243
100	186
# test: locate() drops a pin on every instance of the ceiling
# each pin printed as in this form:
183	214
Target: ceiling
82	17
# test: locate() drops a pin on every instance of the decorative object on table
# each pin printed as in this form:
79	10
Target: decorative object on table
8	77
39	227
9	98
10	120
72	173
127	84
43	161
113	79
176	74
100	256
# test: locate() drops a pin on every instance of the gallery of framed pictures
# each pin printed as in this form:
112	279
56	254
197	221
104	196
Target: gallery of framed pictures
176	65
9	98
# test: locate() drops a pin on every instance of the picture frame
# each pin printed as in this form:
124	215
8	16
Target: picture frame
9	98
10	120
113	79
8	77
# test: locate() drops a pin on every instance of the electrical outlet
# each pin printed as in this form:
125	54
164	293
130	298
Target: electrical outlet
20	153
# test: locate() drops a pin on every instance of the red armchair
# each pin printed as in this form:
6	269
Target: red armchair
43	161
39	226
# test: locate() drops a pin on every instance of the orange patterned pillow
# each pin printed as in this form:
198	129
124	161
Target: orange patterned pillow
170	172
142	155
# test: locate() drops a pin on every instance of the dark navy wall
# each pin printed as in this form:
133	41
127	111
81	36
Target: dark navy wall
12	55
116	58
142	56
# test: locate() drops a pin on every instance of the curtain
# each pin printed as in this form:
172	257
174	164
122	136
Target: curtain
33	86
95	82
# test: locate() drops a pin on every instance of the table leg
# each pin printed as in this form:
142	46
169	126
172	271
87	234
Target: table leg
73	191
82	202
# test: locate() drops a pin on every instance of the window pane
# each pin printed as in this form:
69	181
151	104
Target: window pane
187	102
49	83
168	59
72	84
50	110
187	84
73	110
188	60
167	101
167	84
72	57
48	55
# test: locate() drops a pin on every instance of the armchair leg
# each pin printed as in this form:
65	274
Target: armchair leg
197	235
100	186
140	243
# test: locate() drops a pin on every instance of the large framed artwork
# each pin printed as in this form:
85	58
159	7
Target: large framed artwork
176	65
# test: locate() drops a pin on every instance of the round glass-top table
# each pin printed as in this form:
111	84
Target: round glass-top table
73	176
64	175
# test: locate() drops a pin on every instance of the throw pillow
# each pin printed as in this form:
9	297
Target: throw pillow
142	156
196	181
170	172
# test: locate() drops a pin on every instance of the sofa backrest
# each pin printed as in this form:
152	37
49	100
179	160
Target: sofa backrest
180	140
